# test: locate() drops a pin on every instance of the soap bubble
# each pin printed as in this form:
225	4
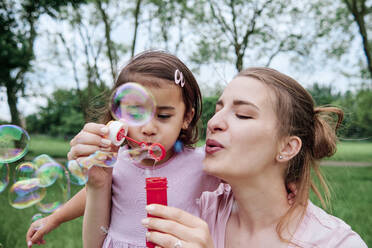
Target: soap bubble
24	171
57	193
13	143
42	159
40	224
133	103
25	193
79	175
48	173
79	169
4	176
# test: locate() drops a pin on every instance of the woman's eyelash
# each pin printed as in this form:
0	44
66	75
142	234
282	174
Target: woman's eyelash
244	117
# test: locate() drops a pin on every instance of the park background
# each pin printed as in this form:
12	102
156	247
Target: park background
60	58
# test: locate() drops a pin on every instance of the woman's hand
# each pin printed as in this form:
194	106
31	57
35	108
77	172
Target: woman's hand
39	228
176	228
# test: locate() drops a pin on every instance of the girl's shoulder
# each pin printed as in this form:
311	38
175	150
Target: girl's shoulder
320	229
197	153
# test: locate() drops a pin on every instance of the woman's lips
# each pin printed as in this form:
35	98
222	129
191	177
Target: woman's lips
212	146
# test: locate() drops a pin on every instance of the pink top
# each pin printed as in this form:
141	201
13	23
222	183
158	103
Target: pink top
186	182
317	229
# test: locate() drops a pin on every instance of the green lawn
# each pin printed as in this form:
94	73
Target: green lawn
351	187
354	151
54	147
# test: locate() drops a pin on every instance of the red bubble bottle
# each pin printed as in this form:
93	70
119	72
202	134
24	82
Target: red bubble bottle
156	191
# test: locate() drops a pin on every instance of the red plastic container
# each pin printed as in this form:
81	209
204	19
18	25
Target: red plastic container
156	191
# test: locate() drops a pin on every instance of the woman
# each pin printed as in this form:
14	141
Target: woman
265	131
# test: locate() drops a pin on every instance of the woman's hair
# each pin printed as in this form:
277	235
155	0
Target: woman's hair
154	68
297	116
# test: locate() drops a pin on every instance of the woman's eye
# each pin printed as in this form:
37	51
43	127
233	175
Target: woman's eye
244	117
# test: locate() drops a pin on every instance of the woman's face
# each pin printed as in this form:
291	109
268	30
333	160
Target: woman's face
242	134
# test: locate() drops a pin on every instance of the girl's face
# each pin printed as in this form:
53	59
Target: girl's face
168	120
242	134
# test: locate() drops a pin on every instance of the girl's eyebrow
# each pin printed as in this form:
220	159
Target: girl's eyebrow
165	108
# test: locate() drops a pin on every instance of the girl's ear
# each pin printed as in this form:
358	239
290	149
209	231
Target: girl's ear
188	118
289	148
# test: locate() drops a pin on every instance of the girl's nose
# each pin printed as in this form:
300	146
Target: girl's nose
149	129
217	122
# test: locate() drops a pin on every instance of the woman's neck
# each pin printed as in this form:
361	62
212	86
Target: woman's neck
259	207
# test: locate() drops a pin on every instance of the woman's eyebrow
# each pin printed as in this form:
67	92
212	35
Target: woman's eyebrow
241	102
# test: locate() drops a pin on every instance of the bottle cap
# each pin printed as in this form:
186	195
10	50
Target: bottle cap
156	183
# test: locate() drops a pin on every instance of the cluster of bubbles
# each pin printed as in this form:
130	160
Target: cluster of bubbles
134	105
45	183
42	182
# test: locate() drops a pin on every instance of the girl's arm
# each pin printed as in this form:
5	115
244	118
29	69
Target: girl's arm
70	210
98	207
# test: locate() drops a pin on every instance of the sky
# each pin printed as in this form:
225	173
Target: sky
48	71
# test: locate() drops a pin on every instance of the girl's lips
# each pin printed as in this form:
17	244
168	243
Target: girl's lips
212	146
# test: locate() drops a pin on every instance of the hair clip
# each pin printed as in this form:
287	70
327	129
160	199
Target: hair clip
178	78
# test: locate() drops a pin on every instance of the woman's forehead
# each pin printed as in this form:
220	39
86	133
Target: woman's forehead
247	89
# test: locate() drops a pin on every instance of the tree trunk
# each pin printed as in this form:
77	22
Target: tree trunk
136	24
12	102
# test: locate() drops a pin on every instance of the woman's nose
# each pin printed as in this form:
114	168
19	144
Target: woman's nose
217	122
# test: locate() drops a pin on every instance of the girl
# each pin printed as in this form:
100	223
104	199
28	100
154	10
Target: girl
265	128
178	110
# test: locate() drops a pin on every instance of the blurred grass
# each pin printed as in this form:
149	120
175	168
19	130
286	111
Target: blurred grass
351	191
353	151
54	147
351	197
14	224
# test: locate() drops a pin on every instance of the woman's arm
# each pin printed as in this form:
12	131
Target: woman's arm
70	210
98	206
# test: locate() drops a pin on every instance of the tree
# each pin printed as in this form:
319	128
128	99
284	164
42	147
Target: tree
235	30
323	95
361	12
18	31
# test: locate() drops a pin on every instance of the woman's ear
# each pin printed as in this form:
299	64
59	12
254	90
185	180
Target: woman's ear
289	148
188	118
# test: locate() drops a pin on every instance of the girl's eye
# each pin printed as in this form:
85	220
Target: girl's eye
244	117
164	116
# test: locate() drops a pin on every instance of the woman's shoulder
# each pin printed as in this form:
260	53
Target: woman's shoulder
320	229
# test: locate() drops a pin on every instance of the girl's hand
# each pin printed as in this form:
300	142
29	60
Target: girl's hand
176	228
91	138
39	228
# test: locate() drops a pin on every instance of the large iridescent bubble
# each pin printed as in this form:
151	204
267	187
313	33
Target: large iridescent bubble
26	193
133	103
13	143
4	176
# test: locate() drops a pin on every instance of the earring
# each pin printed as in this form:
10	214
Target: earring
280	156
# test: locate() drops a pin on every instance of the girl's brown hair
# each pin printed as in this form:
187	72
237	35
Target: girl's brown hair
297	116
154	68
